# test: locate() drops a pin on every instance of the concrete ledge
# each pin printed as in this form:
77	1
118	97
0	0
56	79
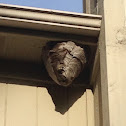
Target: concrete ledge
49	20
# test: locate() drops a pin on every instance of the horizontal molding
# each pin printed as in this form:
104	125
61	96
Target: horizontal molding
50	20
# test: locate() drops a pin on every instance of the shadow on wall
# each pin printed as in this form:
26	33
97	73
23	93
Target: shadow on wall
62	97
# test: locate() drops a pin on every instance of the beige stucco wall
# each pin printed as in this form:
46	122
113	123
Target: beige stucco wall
125	10
113	59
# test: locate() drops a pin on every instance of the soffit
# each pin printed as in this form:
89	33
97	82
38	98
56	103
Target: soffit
25	30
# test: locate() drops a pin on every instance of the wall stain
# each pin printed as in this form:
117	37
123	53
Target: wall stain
121	36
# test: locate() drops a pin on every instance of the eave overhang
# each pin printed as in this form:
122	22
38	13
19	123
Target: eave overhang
49	20
25	30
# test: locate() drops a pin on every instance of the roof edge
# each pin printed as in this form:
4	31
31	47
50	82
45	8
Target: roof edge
50	20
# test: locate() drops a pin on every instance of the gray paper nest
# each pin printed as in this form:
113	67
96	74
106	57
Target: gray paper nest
64	61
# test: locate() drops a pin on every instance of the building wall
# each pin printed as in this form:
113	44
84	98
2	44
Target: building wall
22	105
97	99
113	59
